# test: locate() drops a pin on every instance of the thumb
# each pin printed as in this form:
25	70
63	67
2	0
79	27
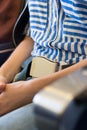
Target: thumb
2	83
2	86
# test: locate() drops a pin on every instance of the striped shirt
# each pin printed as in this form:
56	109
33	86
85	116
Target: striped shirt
59	29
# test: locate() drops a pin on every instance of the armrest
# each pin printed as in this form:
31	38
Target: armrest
60	105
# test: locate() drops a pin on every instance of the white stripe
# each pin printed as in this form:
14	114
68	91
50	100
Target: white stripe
73	24
63	55
66	43
39	31
75	31
59	44
79	48
37	35
69	55
38	25
85	48
37	8
75	14
38	39
38	19
37	3
48	28
37	13
49	53
73	45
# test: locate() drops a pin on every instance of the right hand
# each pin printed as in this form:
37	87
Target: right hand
2	83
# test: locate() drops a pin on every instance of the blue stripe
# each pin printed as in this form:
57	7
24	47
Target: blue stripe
73	55
76	47
46	51
75	28
35	16
37	27
77	5
60	55
37	22
72	40
76	34
38	11
66	56
82	48
72	21
78	18
54	56
41	6
51	52
69	46
75	11
82	1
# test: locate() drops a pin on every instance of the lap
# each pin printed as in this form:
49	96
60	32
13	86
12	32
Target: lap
20	119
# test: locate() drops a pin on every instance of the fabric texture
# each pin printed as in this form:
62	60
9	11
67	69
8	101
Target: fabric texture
20	119
59	29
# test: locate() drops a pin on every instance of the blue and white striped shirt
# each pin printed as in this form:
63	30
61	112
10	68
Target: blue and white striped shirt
59	29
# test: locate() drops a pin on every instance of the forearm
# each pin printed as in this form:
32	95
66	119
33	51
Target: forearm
35	85
20	54
20	93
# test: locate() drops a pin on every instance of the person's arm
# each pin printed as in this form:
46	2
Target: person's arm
20	93
35	85
12	65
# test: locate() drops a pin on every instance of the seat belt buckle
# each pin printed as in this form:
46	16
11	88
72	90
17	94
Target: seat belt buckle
41	67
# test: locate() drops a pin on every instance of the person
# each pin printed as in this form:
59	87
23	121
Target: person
9	11
55	38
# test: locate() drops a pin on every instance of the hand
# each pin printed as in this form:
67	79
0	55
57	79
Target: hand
14	96
20	93
2	83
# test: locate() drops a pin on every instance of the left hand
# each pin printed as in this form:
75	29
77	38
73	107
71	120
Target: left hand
2	83
14	96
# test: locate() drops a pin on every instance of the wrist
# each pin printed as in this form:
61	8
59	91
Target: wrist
3	77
